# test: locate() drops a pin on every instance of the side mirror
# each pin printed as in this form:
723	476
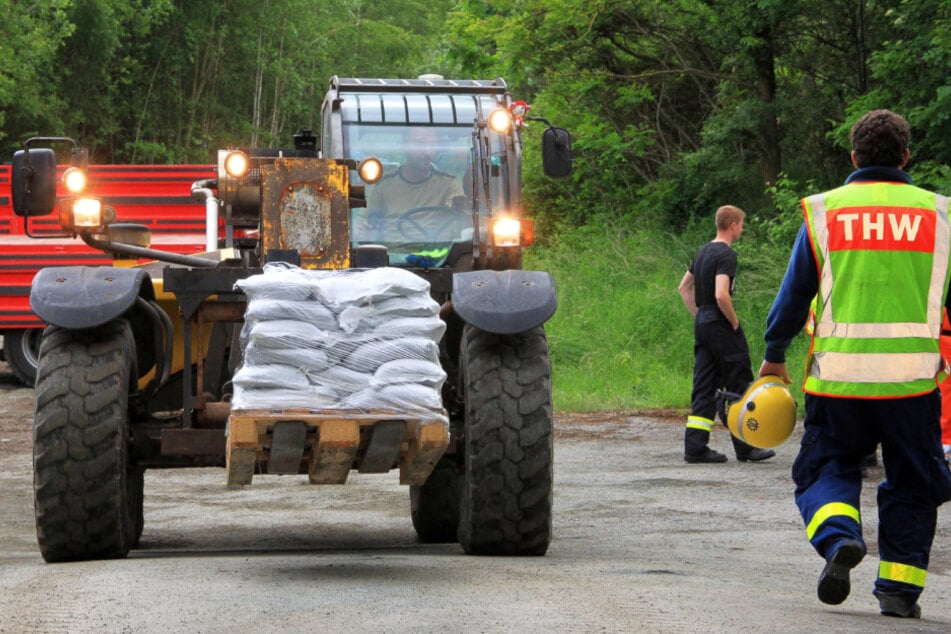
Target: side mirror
34	182
556	152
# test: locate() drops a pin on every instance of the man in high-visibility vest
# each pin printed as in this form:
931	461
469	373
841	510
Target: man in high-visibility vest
876	252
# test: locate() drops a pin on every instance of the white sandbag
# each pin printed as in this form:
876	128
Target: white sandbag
368	316
370	356
406	397
409	371
430	327
342	380
309	312
277	282
273	375
287	334
310	360
355	287
313	398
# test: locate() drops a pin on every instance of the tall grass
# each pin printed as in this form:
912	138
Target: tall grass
621	338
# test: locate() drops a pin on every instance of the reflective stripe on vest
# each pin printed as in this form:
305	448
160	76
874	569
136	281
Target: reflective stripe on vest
877	227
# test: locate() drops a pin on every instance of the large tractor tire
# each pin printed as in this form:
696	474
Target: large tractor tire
80	443
21	348
507	481
135	487
434	505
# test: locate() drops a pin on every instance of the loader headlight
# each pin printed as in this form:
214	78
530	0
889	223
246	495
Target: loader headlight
87	213
370	170
74	179
237	164
506	232
500	121
513	232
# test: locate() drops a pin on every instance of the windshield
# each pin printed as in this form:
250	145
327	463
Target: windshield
423	202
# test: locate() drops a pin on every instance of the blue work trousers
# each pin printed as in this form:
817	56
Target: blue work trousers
839	434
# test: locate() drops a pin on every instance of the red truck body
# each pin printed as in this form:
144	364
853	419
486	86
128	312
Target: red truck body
157	196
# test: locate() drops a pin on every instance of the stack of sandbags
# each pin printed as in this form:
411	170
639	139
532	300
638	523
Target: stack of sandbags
351	339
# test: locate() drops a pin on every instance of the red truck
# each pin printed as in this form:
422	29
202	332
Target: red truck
157	196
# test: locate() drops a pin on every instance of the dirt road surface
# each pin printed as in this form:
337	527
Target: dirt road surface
642	543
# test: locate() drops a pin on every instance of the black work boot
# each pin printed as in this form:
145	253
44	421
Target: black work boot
749	453
898	604
756	455
707	456
834	584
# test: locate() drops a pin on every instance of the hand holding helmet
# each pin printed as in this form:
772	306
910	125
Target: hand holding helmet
764	416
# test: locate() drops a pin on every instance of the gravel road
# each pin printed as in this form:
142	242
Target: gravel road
642	543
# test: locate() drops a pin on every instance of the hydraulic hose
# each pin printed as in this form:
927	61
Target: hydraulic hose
163	344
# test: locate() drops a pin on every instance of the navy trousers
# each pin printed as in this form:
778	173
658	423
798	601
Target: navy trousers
839	434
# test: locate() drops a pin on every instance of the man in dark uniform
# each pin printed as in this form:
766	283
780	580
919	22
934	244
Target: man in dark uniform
721	354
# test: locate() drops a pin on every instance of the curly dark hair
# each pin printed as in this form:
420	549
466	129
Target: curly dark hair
880	137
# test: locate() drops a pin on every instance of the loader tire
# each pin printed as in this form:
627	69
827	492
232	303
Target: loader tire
507	481
22	349
135	486
434	505
80	443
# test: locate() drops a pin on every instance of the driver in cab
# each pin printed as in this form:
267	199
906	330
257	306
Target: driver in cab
412	203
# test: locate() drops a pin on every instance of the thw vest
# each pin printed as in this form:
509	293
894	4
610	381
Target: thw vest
882	249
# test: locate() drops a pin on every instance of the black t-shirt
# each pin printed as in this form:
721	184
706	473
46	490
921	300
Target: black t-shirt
714	258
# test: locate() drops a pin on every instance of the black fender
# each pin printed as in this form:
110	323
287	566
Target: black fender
504	302
79	297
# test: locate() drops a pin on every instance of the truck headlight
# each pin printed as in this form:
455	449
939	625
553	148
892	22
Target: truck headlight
74	179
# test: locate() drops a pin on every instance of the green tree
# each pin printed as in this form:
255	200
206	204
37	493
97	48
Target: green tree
910	75
30	37
679	106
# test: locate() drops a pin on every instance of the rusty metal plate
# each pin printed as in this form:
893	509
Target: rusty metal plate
305	207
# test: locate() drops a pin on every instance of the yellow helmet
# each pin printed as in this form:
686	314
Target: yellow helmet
765	415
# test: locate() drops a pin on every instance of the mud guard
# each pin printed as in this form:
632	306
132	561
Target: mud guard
79	297
504	302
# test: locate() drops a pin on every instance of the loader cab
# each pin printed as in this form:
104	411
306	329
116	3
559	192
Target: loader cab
447	175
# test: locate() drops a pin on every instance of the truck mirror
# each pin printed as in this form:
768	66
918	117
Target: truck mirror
556	152
34	182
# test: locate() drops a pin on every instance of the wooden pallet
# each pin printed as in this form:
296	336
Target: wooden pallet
328	444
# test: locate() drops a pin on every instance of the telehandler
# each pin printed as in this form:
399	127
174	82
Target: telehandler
137	361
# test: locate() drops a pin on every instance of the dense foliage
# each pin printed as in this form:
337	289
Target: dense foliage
171	80
675	106
678	106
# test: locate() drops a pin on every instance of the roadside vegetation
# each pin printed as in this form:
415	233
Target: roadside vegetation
621	338
675	107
